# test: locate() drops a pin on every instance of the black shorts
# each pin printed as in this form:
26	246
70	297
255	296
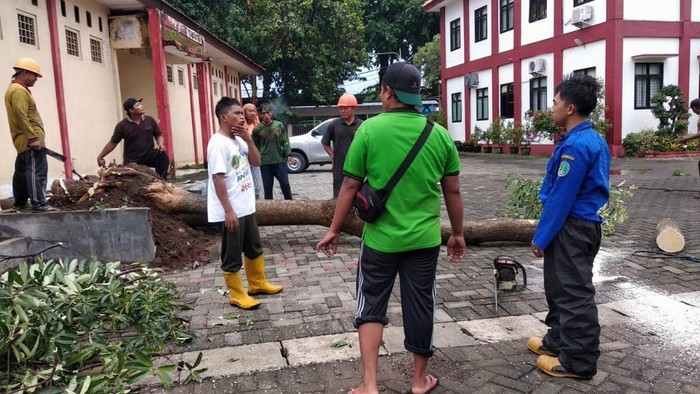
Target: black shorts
376	273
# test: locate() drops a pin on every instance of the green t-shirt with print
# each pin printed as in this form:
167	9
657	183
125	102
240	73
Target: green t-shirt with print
411	219
273	142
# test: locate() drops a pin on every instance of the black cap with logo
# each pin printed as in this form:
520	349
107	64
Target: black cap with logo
404	79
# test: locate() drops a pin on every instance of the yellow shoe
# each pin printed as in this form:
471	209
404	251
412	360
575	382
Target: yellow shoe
536	346
255	273
552	367
238	296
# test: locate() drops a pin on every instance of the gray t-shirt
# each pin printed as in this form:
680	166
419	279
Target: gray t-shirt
341	134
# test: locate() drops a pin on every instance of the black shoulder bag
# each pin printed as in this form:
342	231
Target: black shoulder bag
369	202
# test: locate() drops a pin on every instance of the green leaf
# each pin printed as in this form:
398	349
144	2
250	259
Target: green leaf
162	374
86	385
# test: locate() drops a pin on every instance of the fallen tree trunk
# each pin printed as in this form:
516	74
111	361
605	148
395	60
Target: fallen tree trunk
134	180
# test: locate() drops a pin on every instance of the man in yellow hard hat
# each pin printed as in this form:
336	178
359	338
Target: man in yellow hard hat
27	130
341	132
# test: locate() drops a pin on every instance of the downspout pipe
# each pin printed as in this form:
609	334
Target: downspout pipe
58	84
161	85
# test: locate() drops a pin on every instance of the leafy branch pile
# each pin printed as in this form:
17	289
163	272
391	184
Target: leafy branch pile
87	326
524	202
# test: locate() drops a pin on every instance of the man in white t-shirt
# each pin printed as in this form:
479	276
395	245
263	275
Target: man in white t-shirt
231	204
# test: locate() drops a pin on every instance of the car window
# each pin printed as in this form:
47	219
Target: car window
321	130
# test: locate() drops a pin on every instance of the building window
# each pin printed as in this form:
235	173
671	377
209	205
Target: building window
72	43
507	15
538	94
579	2
195	83
507	101
482	104
181	77
481	24
221	89
538	10
99	22
76	11
648	79
169	73
35	2
216	87
96	50
63	8
27	32
88	18
586	71
456	107
455	34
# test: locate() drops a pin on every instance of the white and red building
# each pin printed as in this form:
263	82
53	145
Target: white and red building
501	58
94	54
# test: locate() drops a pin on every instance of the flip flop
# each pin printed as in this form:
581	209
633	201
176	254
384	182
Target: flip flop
432	383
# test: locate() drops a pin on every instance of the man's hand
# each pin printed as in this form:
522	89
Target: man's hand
160	147
290	160
240	131
456	248
231	221
101	161
329	244
539	253
34	144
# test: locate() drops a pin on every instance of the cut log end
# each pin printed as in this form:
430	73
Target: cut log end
669	237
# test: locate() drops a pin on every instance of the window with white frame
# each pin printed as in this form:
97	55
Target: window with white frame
579	2
481	24
221	89
169	73
538	10
195	83
72	42
455	34
507	101
648	80
538	94
456	107
181	77
585	71
482	104
26	25
96	50
216	87
507	15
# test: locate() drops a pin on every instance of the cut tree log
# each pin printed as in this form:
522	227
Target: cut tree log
132	180
669	236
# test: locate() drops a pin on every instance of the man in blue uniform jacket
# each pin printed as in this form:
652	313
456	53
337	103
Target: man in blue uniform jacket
568	236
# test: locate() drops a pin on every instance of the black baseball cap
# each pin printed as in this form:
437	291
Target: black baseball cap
404	79
130	102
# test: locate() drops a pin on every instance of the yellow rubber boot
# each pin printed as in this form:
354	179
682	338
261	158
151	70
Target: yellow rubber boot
238	296
255	272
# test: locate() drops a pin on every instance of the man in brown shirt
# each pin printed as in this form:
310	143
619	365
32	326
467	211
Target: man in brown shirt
138	131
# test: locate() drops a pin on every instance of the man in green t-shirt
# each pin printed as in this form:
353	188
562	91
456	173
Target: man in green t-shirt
272	141
406	237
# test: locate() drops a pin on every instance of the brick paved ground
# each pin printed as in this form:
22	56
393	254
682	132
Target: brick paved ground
649	306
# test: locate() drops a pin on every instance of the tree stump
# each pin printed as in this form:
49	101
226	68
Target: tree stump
669	237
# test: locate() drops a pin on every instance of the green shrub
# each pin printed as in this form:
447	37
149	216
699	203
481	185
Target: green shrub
524	202
645	141
86	326
671	111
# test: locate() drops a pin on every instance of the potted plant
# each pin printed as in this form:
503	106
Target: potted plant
543	123
475	137
514	136
486	136
497	129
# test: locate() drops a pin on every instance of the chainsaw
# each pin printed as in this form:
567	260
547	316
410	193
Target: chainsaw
505	271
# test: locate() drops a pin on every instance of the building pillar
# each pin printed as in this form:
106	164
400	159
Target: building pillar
161	85
194	123
203	88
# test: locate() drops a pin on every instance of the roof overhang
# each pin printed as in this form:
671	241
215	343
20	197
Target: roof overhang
435	5
654	56
215	49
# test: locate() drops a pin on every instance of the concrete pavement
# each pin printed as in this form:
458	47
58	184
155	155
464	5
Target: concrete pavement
302	340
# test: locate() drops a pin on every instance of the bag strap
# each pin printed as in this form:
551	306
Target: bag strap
409	158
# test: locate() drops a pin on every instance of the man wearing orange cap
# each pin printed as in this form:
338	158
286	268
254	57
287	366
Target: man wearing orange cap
341	132
27	129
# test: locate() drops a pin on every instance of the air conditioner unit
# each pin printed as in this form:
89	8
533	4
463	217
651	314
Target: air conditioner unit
537	66
471	80
582	16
